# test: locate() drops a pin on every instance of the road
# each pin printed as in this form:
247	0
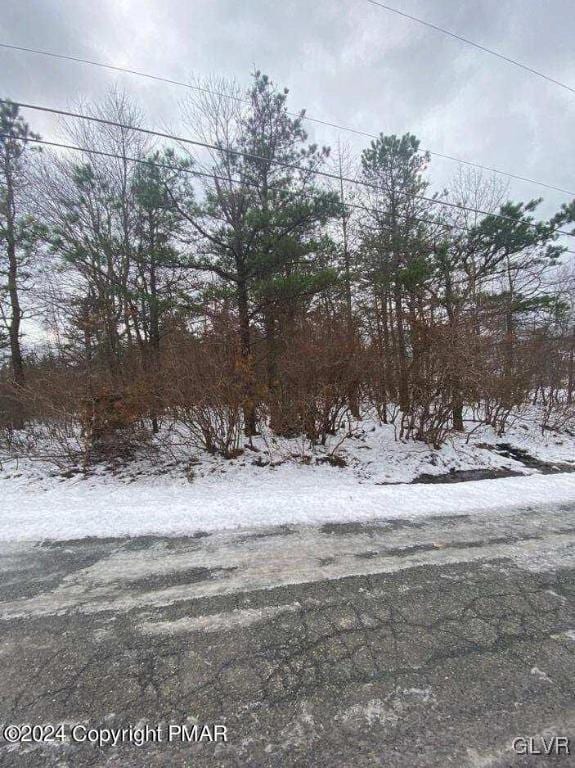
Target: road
432	642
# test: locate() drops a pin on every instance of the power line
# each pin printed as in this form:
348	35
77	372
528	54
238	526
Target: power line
337	126
167	166
483	48
229	179
239	153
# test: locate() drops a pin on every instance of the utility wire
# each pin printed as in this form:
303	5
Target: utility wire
483	48
239	153
228	179
202	89
202	174
144	161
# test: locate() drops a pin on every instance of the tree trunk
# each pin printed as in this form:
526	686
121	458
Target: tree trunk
277	414
458	416
250	426
16	358
154	336
353	393
571	369
401	351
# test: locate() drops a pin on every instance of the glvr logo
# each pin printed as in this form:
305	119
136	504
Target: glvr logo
540	745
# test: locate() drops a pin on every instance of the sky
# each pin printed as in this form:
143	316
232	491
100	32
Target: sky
345	61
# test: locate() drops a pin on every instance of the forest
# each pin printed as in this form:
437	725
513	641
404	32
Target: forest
246	281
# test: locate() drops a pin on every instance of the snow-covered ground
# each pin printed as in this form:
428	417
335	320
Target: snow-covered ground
294	495
283	482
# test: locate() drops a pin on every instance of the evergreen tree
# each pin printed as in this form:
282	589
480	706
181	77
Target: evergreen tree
394	243
260	233
160	187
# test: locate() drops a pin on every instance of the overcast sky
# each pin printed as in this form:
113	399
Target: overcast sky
343	60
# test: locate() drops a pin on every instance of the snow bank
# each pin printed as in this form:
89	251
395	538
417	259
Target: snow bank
151	495
290	495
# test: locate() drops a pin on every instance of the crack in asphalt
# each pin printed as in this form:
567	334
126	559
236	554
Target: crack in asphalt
432	665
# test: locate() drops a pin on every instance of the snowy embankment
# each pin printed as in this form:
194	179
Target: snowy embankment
291	495
287	482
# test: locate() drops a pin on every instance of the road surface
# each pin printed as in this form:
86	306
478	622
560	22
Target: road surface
432	642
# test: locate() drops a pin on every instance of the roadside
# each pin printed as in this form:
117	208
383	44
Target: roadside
361	473
290	495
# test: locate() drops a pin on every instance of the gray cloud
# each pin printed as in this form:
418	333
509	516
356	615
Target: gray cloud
344	60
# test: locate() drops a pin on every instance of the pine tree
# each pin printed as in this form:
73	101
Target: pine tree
262	234
160	187
394	167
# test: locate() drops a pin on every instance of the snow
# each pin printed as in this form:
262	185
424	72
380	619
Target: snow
541	675
167	572
281	482
217	622
374	712
292	495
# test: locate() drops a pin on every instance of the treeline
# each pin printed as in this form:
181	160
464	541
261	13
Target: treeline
263	283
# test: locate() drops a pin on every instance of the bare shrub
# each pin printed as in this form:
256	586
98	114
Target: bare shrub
204	392
558	416
317	374
52	431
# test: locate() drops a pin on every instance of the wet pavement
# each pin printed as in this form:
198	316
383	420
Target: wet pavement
431	642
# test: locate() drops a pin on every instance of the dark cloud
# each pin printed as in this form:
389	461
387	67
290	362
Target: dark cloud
344	60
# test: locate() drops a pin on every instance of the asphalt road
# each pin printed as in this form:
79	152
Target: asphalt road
434	642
